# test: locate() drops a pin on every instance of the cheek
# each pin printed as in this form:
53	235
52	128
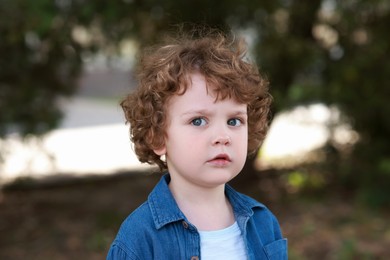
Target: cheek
244	142
191	143
188	145
179	140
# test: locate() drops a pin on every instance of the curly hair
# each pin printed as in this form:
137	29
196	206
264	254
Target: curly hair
164	71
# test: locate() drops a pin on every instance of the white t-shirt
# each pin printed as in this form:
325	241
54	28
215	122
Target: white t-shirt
224	244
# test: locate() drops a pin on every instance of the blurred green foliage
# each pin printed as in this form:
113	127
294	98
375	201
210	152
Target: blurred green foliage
329	51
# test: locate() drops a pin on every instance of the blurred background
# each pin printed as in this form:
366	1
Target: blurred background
68	175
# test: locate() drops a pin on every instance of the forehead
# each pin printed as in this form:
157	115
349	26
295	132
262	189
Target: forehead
199	94
196	88
198	83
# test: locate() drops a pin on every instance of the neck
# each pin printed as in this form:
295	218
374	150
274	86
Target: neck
206	208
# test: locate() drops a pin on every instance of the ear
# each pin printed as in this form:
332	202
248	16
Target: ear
160	151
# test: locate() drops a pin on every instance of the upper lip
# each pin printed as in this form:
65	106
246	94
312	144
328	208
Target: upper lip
221	156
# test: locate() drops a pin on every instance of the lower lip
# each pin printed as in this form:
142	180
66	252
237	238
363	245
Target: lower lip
219	162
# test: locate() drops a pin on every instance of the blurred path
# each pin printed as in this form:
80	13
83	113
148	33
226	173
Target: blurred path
92	139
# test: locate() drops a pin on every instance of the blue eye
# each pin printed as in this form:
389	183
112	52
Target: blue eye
198	122
234	122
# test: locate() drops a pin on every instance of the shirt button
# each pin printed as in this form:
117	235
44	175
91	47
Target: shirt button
185	224
194	258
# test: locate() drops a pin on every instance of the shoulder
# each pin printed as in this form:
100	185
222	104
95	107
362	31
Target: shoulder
260	224
262	214
140	220
257	212
266	225
119	251
128	243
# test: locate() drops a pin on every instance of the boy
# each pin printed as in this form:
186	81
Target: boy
198	110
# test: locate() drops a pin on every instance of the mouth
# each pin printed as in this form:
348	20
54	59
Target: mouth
220	159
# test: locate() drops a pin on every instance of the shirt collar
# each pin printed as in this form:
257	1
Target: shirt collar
165	209
162	204
243	205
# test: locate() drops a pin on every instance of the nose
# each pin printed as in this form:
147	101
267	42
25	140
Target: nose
222	140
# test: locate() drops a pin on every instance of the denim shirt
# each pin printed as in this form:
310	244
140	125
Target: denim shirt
159	230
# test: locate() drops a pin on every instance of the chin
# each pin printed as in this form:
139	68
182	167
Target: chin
220	178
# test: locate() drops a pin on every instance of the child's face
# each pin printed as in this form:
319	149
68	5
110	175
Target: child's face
206	143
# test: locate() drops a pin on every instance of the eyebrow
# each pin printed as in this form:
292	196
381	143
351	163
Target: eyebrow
207	112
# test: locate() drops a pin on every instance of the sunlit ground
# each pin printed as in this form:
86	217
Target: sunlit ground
93	139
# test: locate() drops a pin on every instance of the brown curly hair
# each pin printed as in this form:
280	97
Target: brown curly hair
164	71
